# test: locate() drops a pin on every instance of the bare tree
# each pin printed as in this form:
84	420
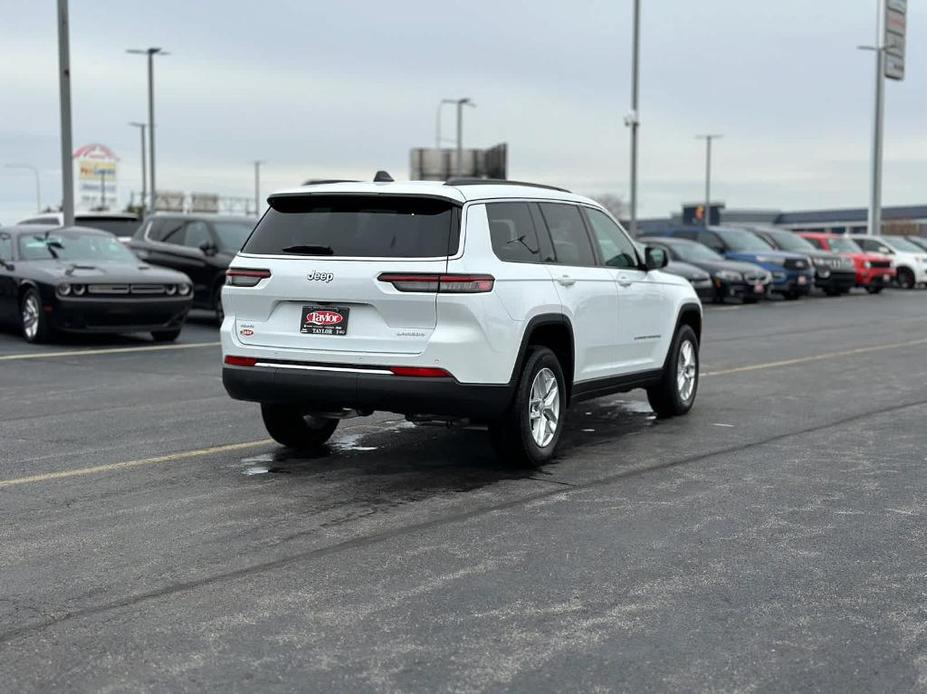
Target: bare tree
612	203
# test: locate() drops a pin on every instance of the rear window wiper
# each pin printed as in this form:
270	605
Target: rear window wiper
309	250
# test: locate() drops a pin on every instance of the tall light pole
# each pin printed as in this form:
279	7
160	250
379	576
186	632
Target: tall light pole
874	225
441	104
632	120
460	104
708	139
64	90
141	130
257	188
38	186
151	53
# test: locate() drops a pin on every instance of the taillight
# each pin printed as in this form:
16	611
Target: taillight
240	277
442	284
240	361
419	371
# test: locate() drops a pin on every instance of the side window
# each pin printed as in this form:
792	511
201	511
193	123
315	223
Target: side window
686	234
817	243
196	234
616	248
711	240
571	243
866	244
6	247
514	237
170	231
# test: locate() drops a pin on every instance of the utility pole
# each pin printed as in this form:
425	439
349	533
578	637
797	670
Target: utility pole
102	189
151	53
257	188
38	185
441	104
874	225
632	120
141	129
64	89
708	139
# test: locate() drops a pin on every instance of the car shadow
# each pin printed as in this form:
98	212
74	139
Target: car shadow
403	463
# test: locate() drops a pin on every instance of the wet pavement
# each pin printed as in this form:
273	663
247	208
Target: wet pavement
774	539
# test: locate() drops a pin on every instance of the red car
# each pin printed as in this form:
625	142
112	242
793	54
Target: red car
874	271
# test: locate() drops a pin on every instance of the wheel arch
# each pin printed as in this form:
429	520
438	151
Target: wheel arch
554	331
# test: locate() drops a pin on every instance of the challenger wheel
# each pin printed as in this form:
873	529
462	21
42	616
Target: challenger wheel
676	391
32	318
294	428
527	434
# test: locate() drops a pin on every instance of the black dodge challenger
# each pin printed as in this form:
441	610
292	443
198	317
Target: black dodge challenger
82	280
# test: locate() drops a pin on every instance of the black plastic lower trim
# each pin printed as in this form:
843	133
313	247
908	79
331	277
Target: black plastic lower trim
329	391
586	390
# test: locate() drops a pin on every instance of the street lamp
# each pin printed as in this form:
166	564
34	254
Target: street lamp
141	130
708	139
38	187
151	53
460	104
64	96
441	104
632	120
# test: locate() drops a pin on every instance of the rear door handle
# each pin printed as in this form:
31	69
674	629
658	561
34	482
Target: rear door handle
566	280
624	282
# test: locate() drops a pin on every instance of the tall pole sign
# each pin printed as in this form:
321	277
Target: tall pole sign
896	25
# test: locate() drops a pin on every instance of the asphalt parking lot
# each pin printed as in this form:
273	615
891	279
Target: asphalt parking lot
774	539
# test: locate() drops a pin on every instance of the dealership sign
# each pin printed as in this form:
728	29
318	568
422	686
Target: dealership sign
896	27
95	166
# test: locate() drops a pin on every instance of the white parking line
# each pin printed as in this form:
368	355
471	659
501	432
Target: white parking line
108	350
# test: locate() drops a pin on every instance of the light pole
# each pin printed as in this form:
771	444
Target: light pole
64	91
38	187
141	129
257	188
632	120
874	225
708	139
151	53
460	104
441	104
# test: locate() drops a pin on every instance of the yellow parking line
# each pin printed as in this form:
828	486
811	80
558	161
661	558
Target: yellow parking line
108	350
172	457
816	357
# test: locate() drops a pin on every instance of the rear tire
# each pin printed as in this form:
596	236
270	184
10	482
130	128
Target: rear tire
874	290
528	433
293	428
905	278
675	393
750	300
165	335
217	304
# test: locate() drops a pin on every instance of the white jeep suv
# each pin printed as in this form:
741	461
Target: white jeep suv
491	302
909	259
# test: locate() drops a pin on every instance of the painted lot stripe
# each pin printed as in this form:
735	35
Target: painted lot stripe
108	350
182	455
816	357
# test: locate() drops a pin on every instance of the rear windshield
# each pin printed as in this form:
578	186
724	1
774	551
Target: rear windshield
357	226
115	226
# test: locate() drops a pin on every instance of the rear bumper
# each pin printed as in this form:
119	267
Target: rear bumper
331	391
88	315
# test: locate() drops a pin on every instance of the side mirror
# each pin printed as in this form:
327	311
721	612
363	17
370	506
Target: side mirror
208	248
655	258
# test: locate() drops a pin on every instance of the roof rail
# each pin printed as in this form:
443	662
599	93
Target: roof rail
323	181
469	181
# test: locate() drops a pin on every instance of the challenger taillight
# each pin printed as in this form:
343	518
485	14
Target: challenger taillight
442	284
242	277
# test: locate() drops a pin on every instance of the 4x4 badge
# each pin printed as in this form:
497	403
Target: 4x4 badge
320	277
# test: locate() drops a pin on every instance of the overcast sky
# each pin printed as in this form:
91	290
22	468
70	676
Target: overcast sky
340	89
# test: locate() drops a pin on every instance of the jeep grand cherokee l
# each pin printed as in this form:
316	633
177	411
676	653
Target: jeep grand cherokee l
492	302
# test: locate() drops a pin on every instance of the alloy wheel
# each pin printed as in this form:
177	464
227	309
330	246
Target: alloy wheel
544	407
686	370
30	316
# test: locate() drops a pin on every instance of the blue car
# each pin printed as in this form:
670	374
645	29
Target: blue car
793	273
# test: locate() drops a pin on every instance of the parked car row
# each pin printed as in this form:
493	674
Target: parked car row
770	260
